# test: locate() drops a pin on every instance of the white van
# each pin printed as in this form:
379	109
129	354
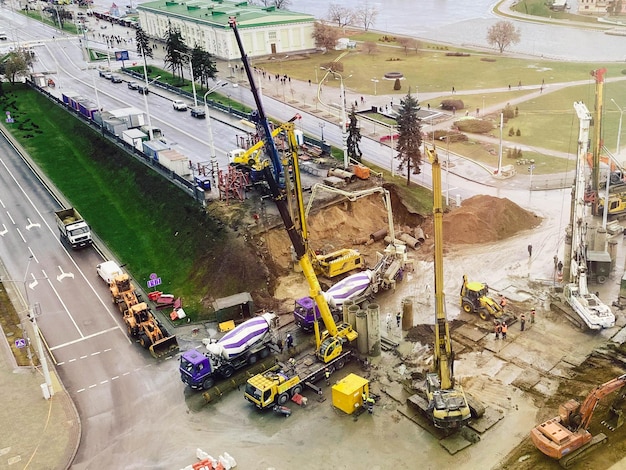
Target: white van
108	270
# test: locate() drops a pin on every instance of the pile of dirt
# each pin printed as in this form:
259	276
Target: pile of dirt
485	219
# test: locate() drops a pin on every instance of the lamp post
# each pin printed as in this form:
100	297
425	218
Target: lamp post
375	82
193	82
32	316
322	124
619	127
344	130
208	125
145	102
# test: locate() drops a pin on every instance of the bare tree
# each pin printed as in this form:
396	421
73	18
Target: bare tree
16	64
279	4
339	14
324	35
369	47
408	44
502	35
365	15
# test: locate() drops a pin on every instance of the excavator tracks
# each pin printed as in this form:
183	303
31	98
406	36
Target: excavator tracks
565	310
569	460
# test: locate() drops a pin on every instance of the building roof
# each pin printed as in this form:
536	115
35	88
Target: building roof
215	13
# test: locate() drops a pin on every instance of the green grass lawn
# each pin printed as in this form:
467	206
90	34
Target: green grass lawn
149	224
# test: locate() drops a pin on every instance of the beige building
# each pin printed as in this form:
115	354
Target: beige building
263	30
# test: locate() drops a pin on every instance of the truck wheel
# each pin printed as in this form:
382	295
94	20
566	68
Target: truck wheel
227	372
483	313
467	306
252	359
296	390
601	279
264	353
144	341
282	398
208	383
339	364
336	317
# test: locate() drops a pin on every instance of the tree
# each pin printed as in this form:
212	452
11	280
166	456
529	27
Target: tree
502	35
174	45
409	137
409	43
354	137
204	67
143	43
369	47
16	64
279	4
325	36
339	14
365	15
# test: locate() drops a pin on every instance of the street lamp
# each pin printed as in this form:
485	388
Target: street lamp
344	130
208	125
619	127
193	82
145	100
375	82
47	388
322	124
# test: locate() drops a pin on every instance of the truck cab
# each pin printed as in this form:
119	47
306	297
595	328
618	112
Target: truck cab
196	370
306	313
274	387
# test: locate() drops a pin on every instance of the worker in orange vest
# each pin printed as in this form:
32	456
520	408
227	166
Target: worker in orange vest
502	302
504	330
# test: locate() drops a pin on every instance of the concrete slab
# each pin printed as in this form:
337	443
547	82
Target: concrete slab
455	443
509	373
546	386
527	380
620	336
489	419
471	332
539	356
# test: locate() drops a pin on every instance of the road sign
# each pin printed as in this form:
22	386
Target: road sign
20	343
154	282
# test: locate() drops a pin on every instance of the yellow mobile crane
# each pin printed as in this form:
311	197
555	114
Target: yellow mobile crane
447	404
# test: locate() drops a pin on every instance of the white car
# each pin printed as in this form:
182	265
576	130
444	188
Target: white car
179	105
108	270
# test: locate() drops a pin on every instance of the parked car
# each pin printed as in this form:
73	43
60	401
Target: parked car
198	112
105	74
116	78
133	85
179	105
143	89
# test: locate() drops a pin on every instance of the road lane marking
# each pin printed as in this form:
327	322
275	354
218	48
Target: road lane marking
12	221
5	231
65	307
69	343
31	224
18	231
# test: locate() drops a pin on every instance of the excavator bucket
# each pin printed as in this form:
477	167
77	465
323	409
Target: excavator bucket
164	346
615	418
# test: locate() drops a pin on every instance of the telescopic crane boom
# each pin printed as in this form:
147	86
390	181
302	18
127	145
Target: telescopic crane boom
447	402
330	345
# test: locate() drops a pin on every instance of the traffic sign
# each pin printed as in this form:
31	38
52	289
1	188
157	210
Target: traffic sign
154	282
20	343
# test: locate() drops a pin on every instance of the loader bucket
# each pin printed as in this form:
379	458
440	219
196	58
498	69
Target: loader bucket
614	419
164	347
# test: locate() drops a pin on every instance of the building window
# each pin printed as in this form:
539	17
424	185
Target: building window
271	35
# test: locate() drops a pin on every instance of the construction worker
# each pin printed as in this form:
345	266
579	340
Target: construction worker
503	302
388	321
532	316
398	319
327	376
522	321
370	404
497	329
289	341
504	330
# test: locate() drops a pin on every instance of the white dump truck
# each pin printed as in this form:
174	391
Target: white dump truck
73	228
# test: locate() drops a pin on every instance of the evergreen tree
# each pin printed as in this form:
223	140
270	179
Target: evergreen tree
143	43
354	137
204	67
174	46
409	137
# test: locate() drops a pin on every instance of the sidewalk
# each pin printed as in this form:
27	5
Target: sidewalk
37	433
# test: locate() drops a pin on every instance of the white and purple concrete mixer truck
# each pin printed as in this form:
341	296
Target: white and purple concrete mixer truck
357	287
240	347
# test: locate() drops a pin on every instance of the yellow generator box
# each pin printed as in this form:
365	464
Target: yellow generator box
348	393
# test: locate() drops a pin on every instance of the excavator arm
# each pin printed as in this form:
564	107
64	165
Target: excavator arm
589	405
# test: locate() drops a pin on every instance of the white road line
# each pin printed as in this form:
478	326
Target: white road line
126	373
81	390
69	343
33	255
115	378
83	357
94	385
107	350
95	353
18	231
12	221
65	307
60	363
2	204
72	360
104	382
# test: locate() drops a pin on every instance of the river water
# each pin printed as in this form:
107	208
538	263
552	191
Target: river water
466	23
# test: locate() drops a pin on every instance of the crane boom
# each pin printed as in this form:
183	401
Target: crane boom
328	346
447	402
